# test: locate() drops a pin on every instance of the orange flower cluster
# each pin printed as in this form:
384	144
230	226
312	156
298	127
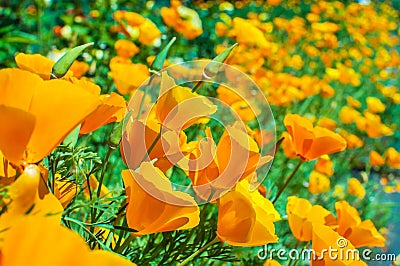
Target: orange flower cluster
313	222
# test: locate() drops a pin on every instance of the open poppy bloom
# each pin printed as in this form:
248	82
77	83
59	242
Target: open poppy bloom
312	142
32	114
44	242
178	107
302	215
111	109
152	204
325	238
246	218
359	233
217	168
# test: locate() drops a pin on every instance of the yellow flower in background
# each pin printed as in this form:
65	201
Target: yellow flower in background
93	186
147	212
353	142
349	115
183	19
392	158
271	262
312	142
324	165
246	218
125	48
327	123
248	34
318	183
359	233
375	105
79	68
39	115
355	188
374	126
136	27
376	159
128	76
44	242
302	215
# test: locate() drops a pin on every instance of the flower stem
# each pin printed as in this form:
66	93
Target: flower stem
198	252
288	180
103	171
197	86
152	146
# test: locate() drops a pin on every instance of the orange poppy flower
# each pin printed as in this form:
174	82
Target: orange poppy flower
27	196
183	19
217	168
324	165
355	188
325	238
353	102
125	48
79	68
34	120
376	159
138	137
270	262
393	158
302	215
246	218
287	146
111	109
178	107
318	183
127	76
312	142
152	204
94	184
375	105
359	233
37	64
44	242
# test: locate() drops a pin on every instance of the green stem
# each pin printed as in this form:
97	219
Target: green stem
197	86
288	181
103	171
152	146
198	252
87	230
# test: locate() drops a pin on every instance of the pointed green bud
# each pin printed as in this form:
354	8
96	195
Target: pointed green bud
212	68
61	67
158	62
